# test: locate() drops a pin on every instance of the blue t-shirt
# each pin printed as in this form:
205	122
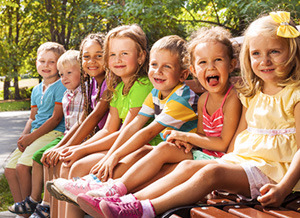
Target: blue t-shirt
45	102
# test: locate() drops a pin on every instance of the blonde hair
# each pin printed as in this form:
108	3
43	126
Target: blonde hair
266	26
212	34
135	33
86	79
55	47
70	57
177	46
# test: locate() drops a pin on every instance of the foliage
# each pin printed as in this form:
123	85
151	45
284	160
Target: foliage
24	25
15	105
5	197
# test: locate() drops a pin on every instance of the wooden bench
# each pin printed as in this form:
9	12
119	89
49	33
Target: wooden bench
229	206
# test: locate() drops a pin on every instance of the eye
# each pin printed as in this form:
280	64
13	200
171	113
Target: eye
69	72
255	53
52	62
111	55
85	56
153	64
219	59
99	56
124	53
202	62
167	66
275	52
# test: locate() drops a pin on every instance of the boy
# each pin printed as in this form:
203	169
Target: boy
171	103
44	124
69	71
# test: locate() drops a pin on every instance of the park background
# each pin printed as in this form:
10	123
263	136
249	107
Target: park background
26	24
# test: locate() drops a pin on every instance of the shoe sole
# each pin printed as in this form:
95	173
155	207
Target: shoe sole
88	208
57	194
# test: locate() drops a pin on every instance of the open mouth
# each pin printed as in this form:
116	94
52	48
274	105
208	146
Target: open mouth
158	80
267	70
213	80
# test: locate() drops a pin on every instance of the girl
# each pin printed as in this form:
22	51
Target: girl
266	140
219	110
171	102
95	109
126	61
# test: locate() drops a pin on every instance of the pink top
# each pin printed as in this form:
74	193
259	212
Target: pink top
213	125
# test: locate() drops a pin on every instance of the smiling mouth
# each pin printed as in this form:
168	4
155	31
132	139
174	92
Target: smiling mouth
267	70
212	78
158	80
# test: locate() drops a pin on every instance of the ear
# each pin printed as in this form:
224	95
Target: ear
192	69
233	64
142	57
183	75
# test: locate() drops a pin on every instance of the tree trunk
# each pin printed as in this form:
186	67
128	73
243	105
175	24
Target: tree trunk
6	85
17	90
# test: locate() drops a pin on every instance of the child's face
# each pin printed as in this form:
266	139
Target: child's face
123	58
92	59
46	65
212	66
70	76
266	55
165	71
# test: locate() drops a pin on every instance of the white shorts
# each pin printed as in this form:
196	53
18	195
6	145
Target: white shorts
256	179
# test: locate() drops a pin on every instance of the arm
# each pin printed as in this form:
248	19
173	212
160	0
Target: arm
232	112
274	195
48	126
104	139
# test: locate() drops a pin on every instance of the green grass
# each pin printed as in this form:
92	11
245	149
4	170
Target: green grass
15	105
6	198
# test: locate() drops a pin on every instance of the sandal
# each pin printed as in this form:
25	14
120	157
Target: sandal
41	211
23	207
57	194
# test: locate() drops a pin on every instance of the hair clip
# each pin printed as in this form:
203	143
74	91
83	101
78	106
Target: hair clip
285	30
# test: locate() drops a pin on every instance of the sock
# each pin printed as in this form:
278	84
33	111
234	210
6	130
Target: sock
128	198
148	209
44	203
32	200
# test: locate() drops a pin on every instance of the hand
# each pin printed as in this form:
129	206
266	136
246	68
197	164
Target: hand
188	147
24	141
106	168
175	135
71	154
51	157
272	195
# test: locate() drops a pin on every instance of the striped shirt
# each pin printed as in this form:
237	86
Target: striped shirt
213	125
72	107
177	111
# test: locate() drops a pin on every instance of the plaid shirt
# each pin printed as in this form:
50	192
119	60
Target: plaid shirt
72	107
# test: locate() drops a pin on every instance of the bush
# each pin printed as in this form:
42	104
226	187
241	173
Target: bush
6	198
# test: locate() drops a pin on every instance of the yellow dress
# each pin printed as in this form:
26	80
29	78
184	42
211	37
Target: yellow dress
269	142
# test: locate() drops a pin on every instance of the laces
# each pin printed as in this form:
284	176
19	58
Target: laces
129	209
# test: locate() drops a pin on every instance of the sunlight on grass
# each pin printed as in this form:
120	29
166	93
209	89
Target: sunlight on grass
6	198
15	106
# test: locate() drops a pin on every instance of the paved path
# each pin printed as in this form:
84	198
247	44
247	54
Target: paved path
11	127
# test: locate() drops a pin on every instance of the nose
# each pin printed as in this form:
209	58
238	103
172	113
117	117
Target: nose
266	60
158	70
210	65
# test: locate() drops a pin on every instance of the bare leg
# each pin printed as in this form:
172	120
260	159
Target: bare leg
227	177
37	181
24	175
54	173
147	167
13	182
130	160
180	174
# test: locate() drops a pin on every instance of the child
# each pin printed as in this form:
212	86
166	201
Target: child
44	125
126	61
95	109
171	102
213	49
266	140
69	71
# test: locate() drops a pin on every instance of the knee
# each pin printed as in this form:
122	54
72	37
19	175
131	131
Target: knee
9	173
164	148
23	169
213	173
64	172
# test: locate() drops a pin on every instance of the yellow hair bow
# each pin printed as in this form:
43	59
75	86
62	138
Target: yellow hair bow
285	29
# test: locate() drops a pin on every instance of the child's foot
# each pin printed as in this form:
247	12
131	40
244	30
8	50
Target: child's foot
41	211
24	207
57	194
71	188
118	188
130	210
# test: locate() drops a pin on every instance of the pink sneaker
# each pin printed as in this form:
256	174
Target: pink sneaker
117	188
91	206
122	210
71	188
